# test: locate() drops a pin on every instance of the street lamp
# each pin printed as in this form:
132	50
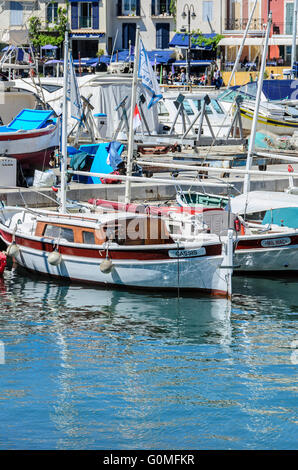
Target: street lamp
189	12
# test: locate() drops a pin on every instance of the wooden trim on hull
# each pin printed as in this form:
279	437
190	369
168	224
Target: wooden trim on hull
130	253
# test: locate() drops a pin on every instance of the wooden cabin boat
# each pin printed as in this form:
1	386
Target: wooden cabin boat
120	249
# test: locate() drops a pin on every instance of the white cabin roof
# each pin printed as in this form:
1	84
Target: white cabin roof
259	201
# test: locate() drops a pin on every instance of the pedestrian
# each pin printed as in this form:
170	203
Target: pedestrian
217	78
183	77
272	75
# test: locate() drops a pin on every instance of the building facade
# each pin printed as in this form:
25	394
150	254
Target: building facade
111	25
235	18
98	24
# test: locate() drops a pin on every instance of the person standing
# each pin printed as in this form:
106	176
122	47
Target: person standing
183	77
217	78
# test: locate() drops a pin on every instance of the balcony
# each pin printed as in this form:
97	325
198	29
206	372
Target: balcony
238	25
128	10
161	8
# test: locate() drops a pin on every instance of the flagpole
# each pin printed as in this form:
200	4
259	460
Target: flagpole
132	109
64	129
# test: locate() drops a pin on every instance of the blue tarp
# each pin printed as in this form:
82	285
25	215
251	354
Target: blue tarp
273	89
162	57
286	216
29	119
101	153
181	40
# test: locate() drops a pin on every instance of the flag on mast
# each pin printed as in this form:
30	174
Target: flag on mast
73	93
136	118
148	76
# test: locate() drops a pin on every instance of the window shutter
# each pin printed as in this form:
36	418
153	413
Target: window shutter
138	8
153	7
162	35
49	13
16	14
119	8
95	14
74	15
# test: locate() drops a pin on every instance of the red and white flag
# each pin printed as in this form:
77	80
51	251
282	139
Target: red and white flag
136	118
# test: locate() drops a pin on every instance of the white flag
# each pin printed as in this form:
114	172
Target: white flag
148	76
136	118
73	93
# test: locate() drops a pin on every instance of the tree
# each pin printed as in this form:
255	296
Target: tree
52	35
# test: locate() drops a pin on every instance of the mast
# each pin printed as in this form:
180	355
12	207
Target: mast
132	109
242	44
251	147
293	57
64	127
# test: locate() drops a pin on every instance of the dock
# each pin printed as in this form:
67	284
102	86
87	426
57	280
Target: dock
145	191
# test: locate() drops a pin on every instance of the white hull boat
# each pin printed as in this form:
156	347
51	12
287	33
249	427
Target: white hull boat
31	137
53	244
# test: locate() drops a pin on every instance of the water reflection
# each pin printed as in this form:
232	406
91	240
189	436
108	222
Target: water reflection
30	298
97	368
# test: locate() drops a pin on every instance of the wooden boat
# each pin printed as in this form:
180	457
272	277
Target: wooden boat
31	137
259	247
131	250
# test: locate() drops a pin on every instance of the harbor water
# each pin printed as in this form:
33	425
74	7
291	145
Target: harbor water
89	368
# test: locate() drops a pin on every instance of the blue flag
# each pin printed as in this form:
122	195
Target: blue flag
148	77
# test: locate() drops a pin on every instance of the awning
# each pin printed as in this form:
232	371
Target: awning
197	63
77	35
273	41
53	62
181	40
49	47
238	41
281	41
162	57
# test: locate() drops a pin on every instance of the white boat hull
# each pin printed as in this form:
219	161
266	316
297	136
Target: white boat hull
30	146
276	126
201	273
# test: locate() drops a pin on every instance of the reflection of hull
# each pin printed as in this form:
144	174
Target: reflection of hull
100	309
277	126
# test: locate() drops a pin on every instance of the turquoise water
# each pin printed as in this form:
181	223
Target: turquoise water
105	369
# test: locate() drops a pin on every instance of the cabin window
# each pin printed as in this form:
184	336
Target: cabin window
61	233
187	107
216	106
88	238
162	110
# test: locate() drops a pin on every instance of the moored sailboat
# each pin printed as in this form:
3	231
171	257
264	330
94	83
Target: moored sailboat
116	249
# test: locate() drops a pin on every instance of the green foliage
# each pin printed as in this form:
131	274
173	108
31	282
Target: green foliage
173	8
199	39
100	52
52	35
